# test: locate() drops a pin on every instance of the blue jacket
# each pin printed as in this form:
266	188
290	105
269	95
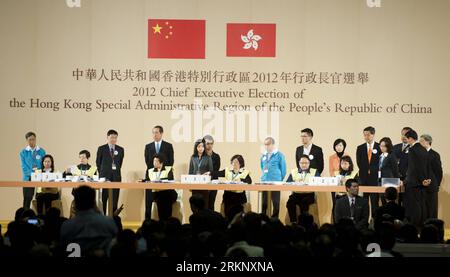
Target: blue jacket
30	159
276	167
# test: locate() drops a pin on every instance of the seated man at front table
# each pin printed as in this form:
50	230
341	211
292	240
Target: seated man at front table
164	198
302	199
352	206
273	165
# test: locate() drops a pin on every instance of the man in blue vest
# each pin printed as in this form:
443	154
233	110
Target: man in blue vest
30	160
273	166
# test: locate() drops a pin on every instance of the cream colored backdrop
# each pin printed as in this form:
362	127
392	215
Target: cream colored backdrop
403	46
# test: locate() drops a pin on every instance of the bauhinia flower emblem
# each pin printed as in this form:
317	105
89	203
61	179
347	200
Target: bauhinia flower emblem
251	40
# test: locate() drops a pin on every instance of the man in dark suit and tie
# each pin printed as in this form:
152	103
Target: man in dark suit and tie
417	177
368	159
401	152
430	193
109	163
314	152
353	206
161	147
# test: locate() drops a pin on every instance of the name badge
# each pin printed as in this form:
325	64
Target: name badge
114	167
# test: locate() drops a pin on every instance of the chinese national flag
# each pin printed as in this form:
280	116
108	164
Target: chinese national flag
251	40
176	39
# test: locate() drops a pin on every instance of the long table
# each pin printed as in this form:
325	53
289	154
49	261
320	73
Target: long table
269	187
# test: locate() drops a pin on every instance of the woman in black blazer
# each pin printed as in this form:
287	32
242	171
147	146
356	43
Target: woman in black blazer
201	164
388	166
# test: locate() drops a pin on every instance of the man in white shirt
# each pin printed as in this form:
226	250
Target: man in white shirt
368	159
160	147
314	152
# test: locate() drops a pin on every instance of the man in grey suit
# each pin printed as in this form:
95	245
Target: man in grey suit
430	192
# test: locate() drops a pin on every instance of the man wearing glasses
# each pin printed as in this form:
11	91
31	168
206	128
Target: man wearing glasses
273	166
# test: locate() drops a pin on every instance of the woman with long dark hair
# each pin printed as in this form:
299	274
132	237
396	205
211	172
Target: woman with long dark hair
201	164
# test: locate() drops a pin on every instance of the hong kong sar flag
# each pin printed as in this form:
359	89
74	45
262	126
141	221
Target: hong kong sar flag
176	39
251	40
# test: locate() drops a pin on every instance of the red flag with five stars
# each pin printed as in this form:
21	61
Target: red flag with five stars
176	39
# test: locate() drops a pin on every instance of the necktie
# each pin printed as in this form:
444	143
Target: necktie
352	208
369	153
268	156
34	154
157	147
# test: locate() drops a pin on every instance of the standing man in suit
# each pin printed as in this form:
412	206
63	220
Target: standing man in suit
353	206
314	152
30	161
368	160
157	147
435	173
416	179
209	143
109	163
401	152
